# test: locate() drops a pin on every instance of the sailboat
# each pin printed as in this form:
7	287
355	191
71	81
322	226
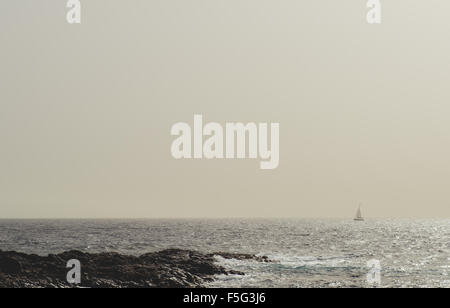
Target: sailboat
359	216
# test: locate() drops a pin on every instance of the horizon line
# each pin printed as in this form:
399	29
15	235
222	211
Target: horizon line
213	218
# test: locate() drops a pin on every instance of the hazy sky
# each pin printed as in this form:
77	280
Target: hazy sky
86	110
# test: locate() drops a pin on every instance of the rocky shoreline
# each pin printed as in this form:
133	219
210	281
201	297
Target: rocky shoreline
172	268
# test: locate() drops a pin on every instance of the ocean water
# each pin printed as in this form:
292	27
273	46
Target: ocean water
306	253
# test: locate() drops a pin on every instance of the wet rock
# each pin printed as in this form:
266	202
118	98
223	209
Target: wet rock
10	265
172	268
241	256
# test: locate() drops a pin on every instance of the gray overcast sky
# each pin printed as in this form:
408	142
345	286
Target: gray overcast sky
86	110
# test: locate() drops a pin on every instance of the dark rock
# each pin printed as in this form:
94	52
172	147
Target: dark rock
173	268
9	265
241	256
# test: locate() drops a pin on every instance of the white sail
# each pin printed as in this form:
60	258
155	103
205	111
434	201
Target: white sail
359	216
